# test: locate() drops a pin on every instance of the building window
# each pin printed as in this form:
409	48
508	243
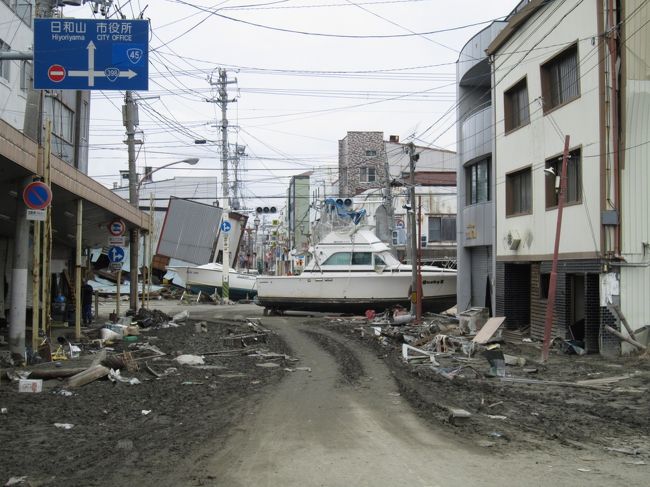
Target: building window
560	79
544	281
23	9
25	75
573	179
515	106
371	153
83	121
62	120
477	181
4	65
367	174
442	229
519	192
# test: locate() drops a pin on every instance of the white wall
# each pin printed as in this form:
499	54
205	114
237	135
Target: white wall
635	177
535	43
19	36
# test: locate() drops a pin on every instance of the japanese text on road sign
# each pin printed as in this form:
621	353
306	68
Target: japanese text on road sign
91	54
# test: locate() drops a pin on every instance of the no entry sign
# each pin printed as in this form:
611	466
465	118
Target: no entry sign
37	195
56	73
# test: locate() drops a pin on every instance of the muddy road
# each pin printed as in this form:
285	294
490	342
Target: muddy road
343	422
325	410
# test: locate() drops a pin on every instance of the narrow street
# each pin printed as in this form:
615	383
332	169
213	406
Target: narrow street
344	423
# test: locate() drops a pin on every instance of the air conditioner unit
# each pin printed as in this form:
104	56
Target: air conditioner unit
513	239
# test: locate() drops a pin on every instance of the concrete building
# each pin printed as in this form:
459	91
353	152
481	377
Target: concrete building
476	217
439	227
371	167
634	168
553	76
365	159
81	208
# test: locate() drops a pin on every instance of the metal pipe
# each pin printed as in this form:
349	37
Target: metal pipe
418	316
36	283
78	270
611	42
411	214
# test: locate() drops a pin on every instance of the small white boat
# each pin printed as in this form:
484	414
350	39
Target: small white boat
208	278
352	271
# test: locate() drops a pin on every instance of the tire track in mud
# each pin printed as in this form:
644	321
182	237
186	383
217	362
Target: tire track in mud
349	365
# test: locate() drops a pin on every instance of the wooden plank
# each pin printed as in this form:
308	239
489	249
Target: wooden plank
488	330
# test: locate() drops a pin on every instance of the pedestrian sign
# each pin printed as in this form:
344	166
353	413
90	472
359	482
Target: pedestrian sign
91	54
115	254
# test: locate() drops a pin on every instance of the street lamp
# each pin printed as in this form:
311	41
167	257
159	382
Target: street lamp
135	235
190	160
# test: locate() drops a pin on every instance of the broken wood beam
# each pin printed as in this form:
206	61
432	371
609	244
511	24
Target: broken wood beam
518	380
625	339
44	373
89	375
619	314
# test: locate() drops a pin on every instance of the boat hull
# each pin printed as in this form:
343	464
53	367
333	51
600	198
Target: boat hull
352	292
208	279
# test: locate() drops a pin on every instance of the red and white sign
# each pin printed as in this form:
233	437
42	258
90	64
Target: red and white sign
56	73
117	228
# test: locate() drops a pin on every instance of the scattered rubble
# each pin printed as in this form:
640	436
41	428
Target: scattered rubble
457	370
128	394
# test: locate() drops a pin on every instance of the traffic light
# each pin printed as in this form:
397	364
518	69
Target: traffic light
266	209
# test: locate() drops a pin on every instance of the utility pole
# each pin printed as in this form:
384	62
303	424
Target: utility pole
552	285
240	151
130	120
415	297
223	101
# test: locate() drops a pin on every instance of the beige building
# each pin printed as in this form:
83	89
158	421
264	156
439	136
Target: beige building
553	76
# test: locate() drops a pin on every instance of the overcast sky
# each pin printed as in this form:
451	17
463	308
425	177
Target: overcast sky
297	93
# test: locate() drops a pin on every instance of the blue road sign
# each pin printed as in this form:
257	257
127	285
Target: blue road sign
91	54
226	226
115	255
37	195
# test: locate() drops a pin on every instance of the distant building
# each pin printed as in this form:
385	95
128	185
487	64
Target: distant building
365	160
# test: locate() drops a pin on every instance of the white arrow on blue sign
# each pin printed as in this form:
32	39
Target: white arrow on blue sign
115	254
91	54
226	226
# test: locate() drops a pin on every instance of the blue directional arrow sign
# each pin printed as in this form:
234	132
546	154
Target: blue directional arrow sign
115	255
226	226
91	54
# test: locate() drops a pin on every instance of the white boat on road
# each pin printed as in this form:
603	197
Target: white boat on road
208	278
352	271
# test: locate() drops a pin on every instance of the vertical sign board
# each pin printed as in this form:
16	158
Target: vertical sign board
37	196
91	54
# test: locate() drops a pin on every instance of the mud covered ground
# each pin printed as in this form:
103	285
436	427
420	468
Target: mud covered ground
612	417
168	424
121	431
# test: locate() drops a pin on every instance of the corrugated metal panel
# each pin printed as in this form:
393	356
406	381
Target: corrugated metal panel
635	177
189	231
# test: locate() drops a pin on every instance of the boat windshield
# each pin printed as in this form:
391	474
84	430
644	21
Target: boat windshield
349	258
